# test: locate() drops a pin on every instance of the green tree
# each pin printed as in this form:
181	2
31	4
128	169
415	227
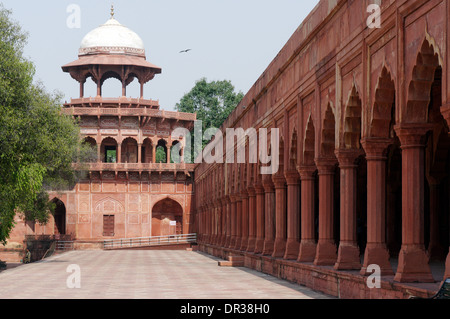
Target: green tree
160	155
38	144
212	101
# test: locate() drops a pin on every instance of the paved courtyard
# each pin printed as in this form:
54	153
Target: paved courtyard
143	274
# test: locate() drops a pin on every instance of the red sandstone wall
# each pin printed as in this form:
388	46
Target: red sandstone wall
331	64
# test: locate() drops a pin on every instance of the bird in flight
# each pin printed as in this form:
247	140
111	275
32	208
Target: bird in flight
185	51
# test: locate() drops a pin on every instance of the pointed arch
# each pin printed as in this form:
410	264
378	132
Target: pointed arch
281	156
419	92
293	162
309	144
352	121
328	142
383	112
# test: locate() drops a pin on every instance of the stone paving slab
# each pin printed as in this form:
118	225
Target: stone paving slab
143	274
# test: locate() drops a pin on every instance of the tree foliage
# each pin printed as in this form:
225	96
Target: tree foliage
212	101
38	144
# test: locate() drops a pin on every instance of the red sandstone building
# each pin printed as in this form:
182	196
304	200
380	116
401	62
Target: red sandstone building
125	194
364	178
364	152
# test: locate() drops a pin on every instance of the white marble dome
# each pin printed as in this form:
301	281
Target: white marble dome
113	38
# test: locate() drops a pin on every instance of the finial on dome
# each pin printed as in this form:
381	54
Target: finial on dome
112	11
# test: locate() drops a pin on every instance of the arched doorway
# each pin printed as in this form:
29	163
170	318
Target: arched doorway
167	218
60	217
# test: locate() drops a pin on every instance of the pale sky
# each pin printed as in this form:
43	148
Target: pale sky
230	40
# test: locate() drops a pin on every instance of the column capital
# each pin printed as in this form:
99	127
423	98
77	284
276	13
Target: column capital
279	182
268	186
376	148
413	135
259	190
292	177
347	157
326	165
306	172
251	191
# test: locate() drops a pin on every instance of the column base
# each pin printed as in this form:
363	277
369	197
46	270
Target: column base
325	254
413	265
227	242
232	242
447	267
244	243
307	251
279	248
268	247
377	254
259	245
292	248
237	244
251	244
348	257
222	241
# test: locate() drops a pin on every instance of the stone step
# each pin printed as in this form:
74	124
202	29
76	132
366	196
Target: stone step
233	261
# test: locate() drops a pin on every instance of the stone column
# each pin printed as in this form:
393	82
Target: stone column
99	153
142	89
445	111
182	155
238	241
251	220
269	218
199	225
154	153
124	88
82	88
223	222
119	152
376	252
99	88
260	217
307	251
326	248
348	253
447	267
233	221
245	223
228	222
168	152
293	216
205	225
280	217
139	153
413	260
213	223
208	224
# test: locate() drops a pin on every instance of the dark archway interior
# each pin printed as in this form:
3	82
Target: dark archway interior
167	218
60	217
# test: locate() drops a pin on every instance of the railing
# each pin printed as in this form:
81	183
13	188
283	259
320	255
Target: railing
136	167
97	111
113	100
150	241
64	245
50	251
